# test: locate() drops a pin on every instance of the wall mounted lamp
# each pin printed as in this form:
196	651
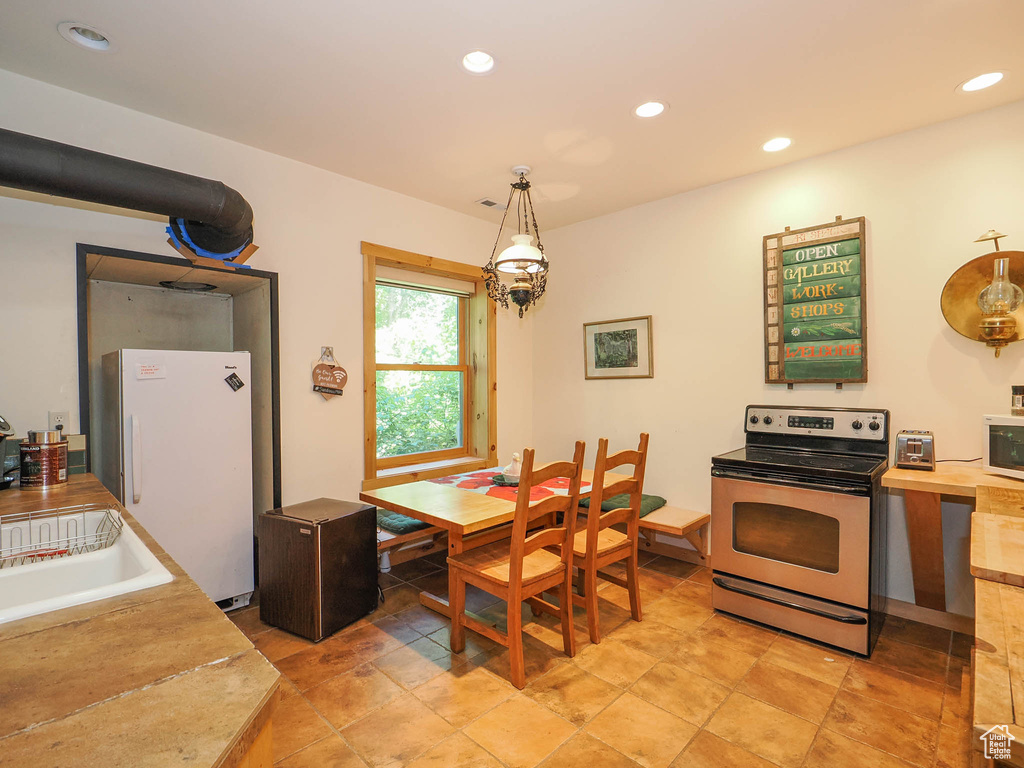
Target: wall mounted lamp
982	299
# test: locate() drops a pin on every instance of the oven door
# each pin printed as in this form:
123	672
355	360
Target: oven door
798	537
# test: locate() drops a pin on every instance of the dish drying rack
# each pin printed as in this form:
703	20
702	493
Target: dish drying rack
32	537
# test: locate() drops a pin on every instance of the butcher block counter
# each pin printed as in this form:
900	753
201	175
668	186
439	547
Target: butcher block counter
158	677
997	563
997	536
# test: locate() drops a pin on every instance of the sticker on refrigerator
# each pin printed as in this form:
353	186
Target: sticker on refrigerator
234	382
150	371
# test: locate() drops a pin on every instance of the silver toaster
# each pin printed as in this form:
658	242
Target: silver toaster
915	449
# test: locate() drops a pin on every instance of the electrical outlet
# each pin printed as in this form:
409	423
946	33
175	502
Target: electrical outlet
58	418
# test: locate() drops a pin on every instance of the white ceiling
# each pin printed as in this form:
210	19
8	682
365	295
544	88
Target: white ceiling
375	91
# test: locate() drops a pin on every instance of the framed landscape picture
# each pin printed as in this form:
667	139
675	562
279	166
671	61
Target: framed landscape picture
619	349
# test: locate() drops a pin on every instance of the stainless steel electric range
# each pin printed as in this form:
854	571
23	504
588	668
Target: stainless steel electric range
798	523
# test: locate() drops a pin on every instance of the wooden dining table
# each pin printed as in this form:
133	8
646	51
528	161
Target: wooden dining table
471	519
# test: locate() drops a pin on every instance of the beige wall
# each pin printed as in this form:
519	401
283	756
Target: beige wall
694	262
308	225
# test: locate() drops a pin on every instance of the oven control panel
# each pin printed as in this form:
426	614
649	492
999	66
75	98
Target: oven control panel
858	423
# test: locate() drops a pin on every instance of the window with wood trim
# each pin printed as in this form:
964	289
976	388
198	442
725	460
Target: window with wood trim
428	367
423	374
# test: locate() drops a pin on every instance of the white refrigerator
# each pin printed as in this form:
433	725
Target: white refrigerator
176	444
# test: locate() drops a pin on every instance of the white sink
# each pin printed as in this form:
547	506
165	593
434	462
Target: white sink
39	587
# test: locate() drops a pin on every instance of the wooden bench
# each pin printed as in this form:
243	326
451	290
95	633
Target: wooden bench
680	523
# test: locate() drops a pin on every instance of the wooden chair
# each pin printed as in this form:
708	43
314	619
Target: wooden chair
522	569
598	544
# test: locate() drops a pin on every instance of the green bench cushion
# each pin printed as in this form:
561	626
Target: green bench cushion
397	523
647	503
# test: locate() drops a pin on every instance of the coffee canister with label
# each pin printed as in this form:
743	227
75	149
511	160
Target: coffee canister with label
44	459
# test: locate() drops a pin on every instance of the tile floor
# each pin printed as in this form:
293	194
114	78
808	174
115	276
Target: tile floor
685	687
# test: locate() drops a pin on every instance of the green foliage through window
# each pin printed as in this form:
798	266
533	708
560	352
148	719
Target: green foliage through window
418	411
417	327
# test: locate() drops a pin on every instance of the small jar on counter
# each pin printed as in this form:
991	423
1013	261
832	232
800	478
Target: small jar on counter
44	459
1017	401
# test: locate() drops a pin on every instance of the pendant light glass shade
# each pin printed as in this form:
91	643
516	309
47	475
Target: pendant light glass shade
521	256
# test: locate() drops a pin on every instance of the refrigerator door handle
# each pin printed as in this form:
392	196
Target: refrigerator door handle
136	459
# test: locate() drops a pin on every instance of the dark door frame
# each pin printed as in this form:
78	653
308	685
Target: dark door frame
83	250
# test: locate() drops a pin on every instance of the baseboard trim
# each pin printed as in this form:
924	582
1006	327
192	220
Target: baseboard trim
953	621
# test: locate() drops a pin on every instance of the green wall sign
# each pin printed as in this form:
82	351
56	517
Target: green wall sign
815	329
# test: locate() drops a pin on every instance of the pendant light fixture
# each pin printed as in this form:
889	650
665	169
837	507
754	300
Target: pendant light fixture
522	262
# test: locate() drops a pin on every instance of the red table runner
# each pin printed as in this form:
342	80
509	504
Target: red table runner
481	481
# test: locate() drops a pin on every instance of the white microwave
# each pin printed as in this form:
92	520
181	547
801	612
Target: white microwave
1003	445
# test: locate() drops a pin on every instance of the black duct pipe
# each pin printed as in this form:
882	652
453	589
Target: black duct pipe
213	216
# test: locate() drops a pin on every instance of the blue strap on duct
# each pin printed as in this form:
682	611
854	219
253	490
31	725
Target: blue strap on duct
204	253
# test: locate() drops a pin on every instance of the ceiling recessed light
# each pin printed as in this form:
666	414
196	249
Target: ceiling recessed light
650	109
981	81
776	144
84	35
478	62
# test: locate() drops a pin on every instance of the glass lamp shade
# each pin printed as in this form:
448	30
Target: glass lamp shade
997	301
521	256
1001	296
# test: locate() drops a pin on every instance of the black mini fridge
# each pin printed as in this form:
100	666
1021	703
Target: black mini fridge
318	566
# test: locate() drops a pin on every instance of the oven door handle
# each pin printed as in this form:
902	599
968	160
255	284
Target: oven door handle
754	476
845	618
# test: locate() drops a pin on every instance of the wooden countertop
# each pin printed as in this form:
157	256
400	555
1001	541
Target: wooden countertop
997	536
151	678
999	663
953	478
1001	501
997	562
